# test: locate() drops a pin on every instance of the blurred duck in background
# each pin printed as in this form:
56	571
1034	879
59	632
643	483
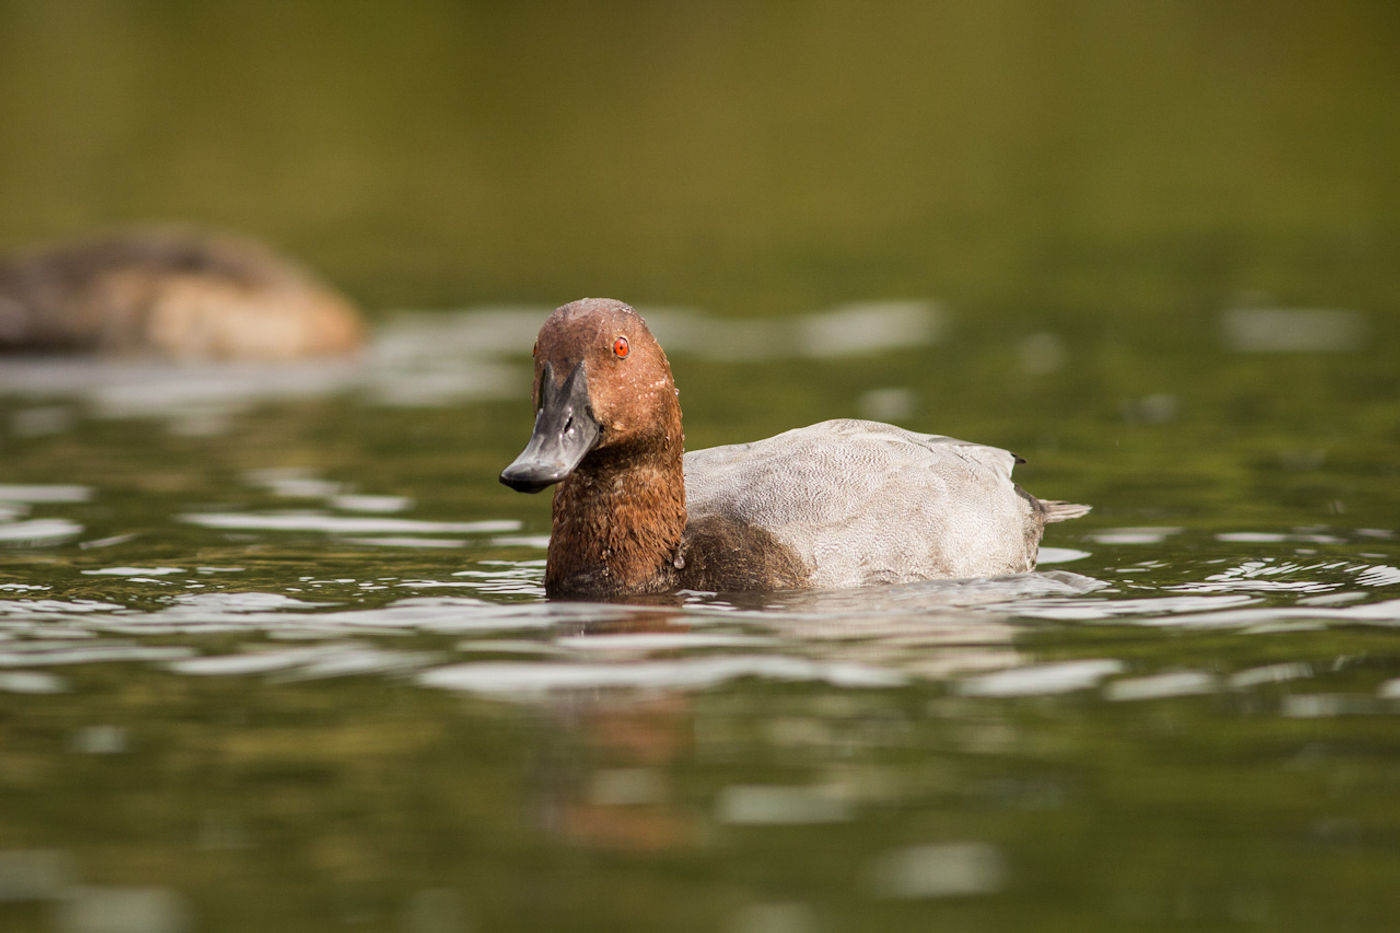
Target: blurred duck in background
174	292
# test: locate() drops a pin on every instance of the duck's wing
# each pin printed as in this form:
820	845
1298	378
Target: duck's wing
863	502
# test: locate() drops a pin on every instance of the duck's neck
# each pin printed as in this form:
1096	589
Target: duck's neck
618	523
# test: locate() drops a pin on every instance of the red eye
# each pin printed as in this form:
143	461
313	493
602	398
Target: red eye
620	348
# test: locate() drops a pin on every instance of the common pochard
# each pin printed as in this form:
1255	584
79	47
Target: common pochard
838	504
177	292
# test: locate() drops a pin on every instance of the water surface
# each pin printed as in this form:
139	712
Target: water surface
274	650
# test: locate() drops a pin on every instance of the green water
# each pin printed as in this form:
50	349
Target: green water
274	652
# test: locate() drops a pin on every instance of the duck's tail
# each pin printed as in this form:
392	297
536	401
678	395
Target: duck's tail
1056	511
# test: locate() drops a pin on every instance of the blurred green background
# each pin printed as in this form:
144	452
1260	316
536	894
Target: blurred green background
1122	161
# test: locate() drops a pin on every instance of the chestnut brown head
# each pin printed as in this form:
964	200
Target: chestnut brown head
602	383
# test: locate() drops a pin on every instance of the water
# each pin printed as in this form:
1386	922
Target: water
274	651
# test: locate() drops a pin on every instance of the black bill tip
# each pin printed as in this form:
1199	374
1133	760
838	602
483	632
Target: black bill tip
565	431
528	477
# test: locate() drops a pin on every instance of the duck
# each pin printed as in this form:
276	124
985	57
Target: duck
839	504
171	291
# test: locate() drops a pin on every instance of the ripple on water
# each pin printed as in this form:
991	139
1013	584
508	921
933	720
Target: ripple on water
346	659
37	682
650	642
1386	612
780	805
963	632
134	571
340	524
281	616
1148	535
1264	576
938	870
34	654
365	502
1060	555
1161	686
38	531
44	492
1270	674
46	607
1274	537
526	679
1041	679
1161	610
404	541
1378	576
